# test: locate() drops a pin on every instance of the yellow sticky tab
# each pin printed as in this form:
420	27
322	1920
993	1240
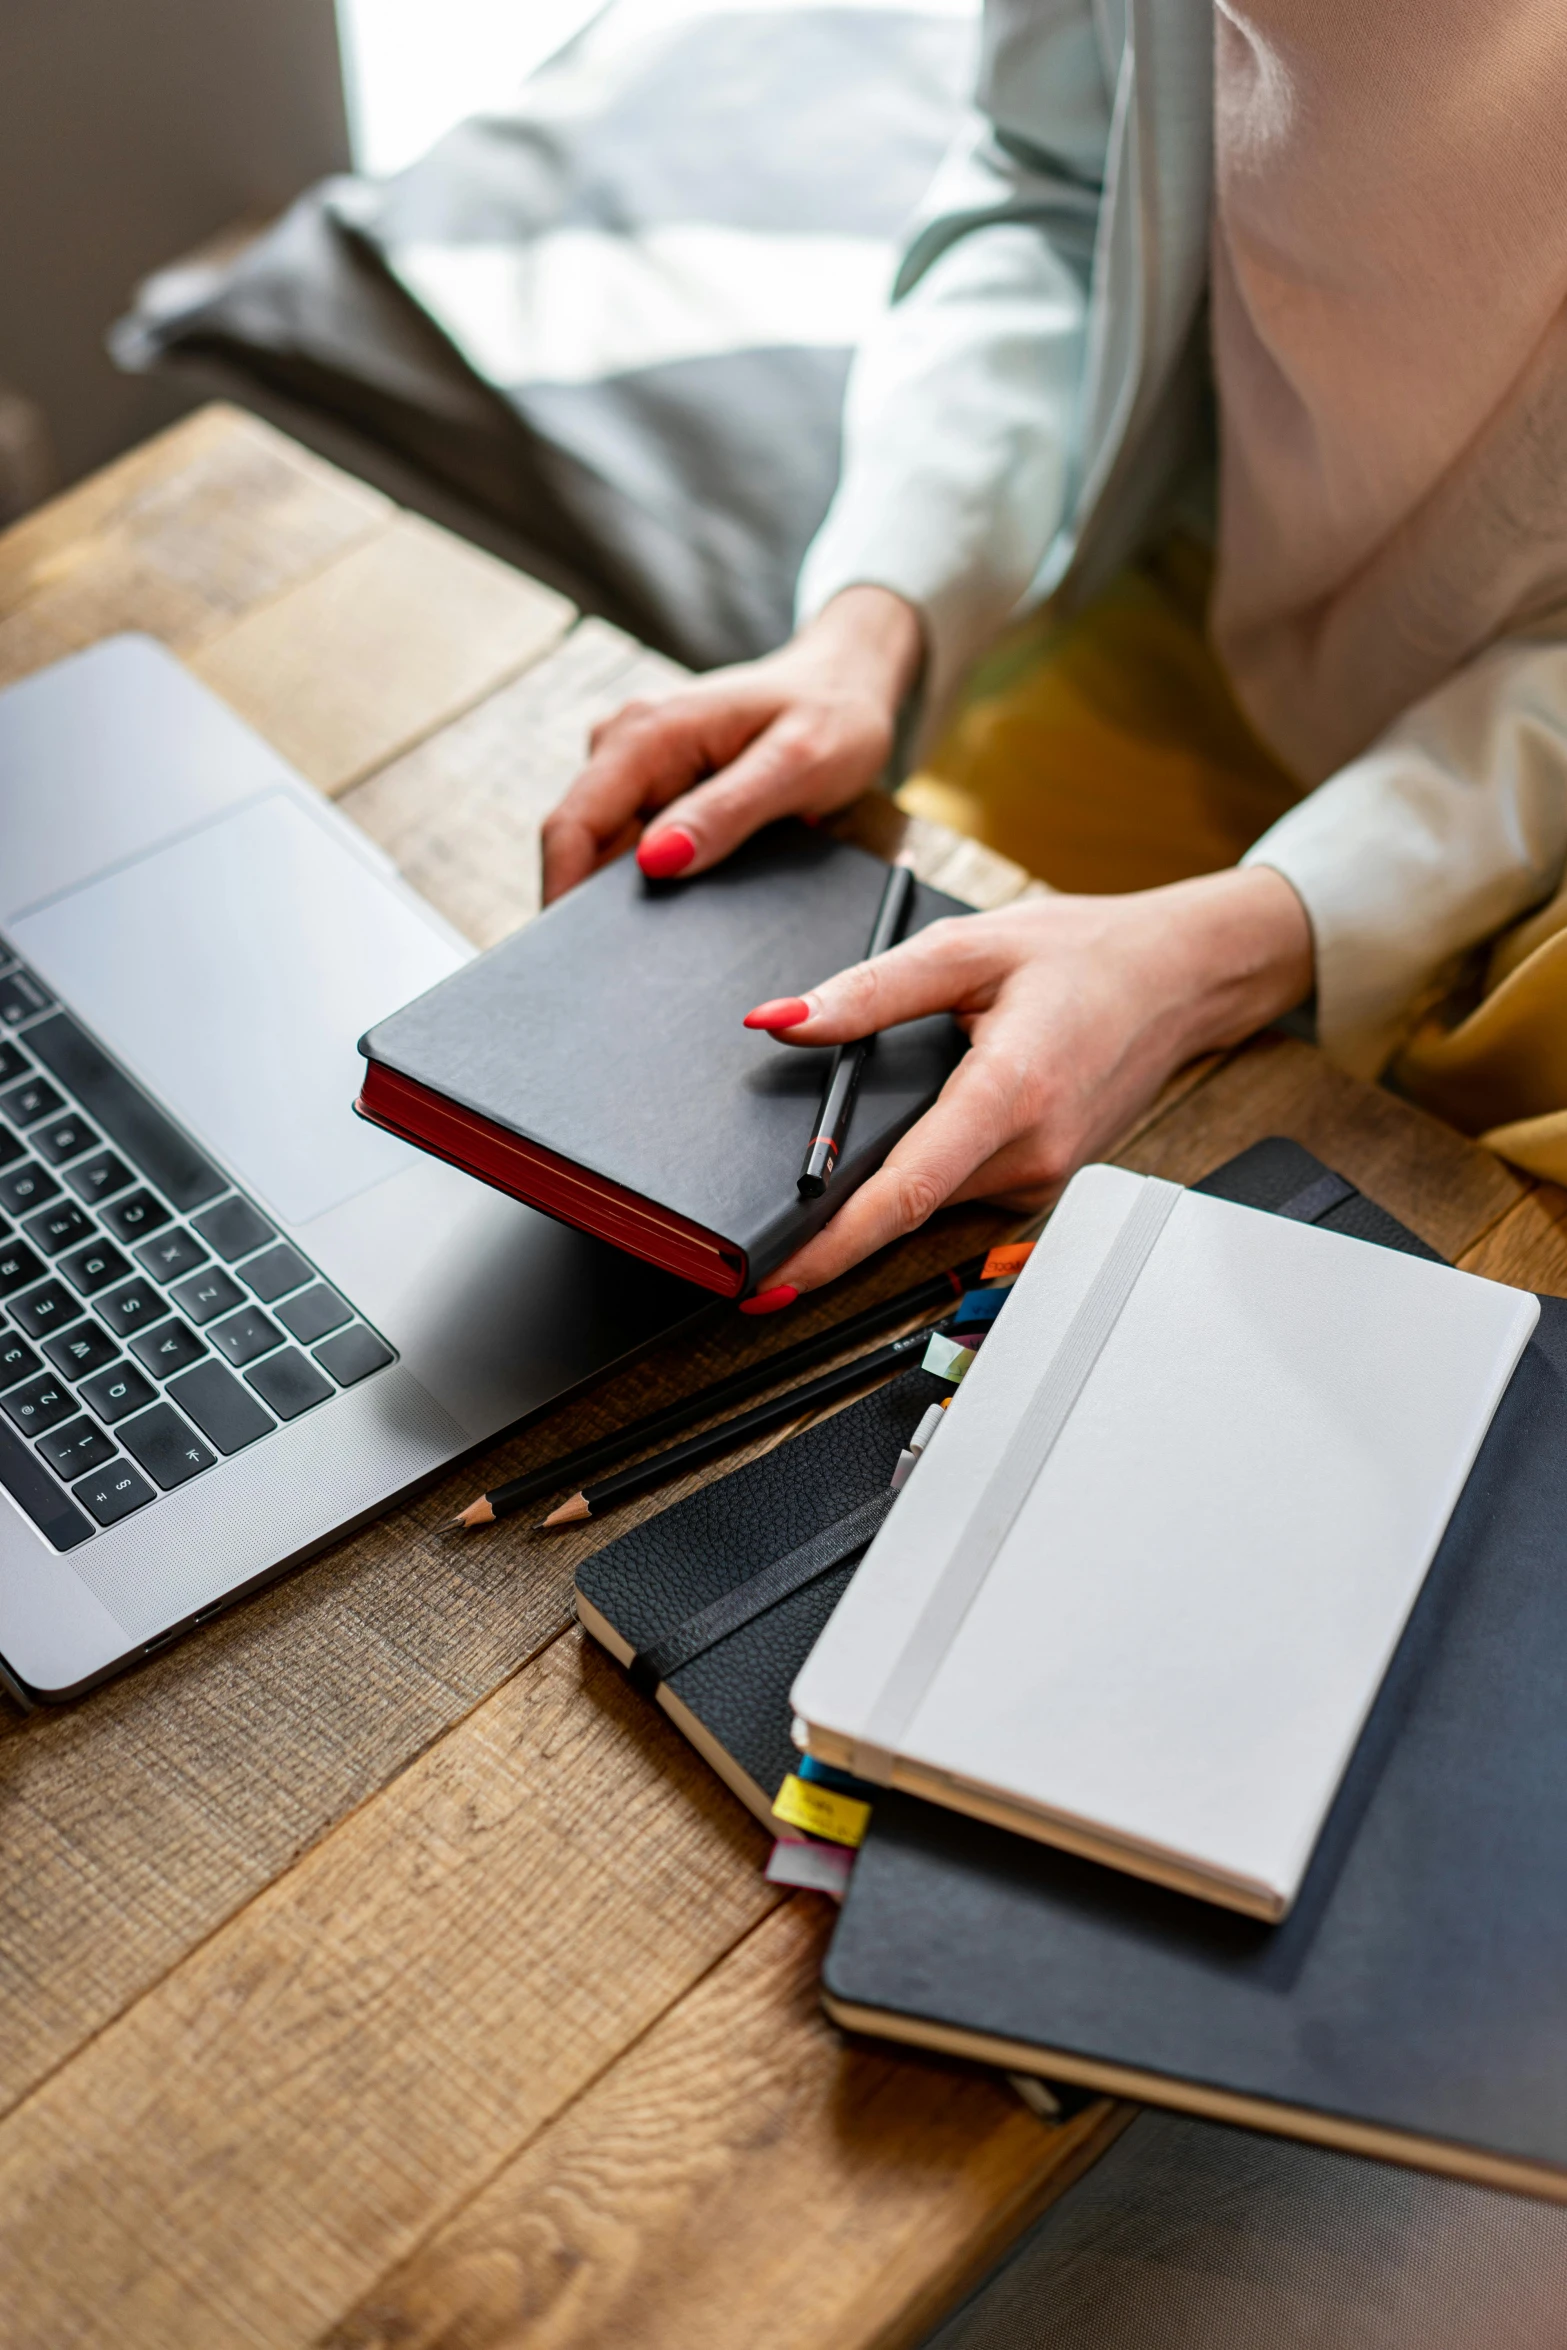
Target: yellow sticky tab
821	1811
1003	1263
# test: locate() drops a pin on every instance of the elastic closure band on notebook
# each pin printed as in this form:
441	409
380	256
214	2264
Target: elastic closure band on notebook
994	1514
685	1642
1319	1198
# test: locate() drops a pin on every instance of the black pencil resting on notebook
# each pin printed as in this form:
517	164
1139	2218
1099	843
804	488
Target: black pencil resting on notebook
847	1067
674	1462
595	1064
942	1289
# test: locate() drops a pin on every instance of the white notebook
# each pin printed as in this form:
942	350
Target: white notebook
1141	1590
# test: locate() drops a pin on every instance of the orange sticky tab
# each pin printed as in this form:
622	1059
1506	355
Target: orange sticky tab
1003	1263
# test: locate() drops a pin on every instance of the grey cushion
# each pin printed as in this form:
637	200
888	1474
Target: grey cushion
618	315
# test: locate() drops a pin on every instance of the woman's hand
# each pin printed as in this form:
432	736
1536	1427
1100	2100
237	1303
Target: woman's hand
798	734
1077	1010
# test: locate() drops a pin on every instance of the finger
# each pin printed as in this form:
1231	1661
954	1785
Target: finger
954	966
641	758
971	1120
804	762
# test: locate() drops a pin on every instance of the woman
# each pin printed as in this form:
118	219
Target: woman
1372	195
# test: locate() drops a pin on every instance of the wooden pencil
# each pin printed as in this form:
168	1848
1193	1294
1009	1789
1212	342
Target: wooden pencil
594	1499
587	1460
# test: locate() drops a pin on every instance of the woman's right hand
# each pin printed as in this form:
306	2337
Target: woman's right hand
799	733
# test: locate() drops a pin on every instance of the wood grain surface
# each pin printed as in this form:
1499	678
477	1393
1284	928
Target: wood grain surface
374	1968
746	2175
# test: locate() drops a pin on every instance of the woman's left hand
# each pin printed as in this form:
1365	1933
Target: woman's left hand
1077	1010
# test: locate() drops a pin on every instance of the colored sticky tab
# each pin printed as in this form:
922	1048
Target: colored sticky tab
822	1774
978	1306
1004	1264
946	1358
816	1868
821	1811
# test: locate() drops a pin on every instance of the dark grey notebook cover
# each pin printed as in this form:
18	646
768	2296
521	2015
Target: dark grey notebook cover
1415	2000
693	1553
609	1031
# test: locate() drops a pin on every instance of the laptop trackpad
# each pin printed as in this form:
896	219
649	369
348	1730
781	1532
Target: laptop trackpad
234	971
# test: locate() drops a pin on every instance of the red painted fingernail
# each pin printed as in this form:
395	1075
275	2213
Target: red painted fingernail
780	1011
666	853
770	1301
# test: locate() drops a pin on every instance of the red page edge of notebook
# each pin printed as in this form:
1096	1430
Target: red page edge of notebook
541	1179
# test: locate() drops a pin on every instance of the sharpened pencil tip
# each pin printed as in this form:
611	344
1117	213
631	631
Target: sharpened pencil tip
570	1513
478	1513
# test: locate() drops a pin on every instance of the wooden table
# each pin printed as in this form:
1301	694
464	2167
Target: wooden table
375	1967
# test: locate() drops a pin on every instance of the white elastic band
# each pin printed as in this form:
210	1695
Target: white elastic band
995	1512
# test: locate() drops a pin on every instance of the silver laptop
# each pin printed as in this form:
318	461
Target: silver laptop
234	1319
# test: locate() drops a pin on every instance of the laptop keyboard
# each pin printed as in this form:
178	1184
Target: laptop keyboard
153	1322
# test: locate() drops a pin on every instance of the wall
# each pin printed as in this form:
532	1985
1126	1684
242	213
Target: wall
129	131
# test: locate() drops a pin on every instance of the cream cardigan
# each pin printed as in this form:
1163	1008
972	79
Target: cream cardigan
1022	415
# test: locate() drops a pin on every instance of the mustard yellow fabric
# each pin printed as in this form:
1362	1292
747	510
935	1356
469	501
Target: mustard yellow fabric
1107	753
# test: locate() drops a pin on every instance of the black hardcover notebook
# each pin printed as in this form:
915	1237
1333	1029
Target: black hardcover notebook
1414	2004
657	1588
595	1063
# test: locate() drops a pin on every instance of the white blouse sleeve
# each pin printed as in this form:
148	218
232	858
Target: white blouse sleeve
1447	829
962	403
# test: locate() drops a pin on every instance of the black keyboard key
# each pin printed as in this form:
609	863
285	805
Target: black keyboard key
133	1218
112	1494
20	997
206	1295
99	1178
14	1062
45	1310
66	1138
94	1267
18	1266
120	1389
78	1351
132	1121
171	1254
245	1335
33	1099
290	1383
352	1354
32	1488
167	1447
315	1313
38	1404
233	1228
276	1273
11	1147
26	1187
220	1407
54	1228
135	1305
172	1347
17	1359
77	1447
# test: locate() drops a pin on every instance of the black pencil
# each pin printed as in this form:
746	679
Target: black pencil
847	1066
696	1449
941	1289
